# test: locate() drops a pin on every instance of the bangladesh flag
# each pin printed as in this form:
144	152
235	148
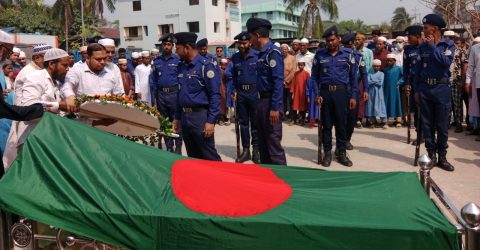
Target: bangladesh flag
105	187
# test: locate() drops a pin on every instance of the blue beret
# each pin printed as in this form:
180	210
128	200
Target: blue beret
167	38
202	42
330	31
348	39
185	38
414	30
255	23
242	36
435	20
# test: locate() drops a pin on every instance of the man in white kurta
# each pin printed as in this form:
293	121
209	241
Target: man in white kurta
305	55
142	76
109	45
39	87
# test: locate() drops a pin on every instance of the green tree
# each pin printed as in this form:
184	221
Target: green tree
385	27
21	18
401	19
350	26
327	6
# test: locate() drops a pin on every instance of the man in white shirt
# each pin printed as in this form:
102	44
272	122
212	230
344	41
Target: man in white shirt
109	45
91	78
40	86
142	76
398	52
305	55
36	64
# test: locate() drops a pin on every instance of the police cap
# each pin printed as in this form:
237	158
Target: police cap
348	39
242	36
167	38
376	32
435	20
185	38
414	30
254	23
202	42
332	31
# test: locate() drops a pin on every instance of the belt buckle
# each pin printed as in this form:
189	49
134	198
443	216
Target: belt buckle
166	90
187	110
332	87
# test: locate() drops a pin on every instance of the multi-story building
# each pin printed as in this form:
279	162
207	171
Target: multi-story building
143	22
284	22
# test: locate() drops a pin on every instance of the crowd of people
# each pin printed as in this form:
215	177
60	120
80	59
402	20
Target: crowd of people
421	80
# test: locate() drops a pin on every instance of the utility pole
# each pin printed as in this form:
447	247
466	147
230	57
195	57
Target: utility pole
83	24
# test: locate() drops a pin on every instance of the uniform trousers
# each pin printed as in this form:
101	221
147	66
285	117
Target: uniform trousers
334	112
166	105
193	124
269	136
247	101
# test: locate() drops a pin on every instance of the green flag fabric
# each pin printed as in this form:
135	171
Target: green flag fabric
101	186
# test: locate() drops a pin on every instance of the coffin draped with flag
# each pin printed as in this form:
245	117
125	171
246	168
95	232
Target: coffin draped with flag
101	186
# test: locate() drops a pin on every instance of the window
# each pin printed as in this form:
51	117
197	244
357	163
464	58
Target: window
137	5
216	27
193	27
193	2
289	17
285	33
269	15
215	2
164	29
133	33
145	30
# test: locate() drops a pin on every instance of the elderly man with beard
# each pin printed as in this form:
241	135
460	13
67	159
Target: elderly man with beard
109	45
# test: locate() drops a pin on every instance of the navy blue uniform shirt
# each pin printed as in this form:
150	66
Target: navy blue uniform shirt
165	72
244	70
270	74
410	60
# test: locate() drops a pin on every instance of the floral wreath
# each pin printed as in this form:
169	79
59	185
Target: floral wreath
165	124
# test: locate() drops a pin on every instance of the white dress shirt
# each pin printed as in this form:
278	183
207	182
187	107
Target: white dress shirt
19	80
398	57
142	75
116	70
81	81
308	57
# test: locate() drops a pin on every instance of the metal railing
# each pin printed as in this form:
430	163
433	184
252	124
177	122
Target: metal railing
468	218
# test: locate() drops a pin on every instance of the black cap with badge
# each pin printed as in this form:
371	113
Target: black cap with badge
414	30
242	36
332	31
169	37
202	42
254	23
185	38
348	39
435	20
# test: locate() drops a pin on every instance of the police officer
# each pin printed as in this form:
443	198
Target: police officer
202	47
348	42
198	99
270	87
165	87
334	70
410	59
245	94
432	88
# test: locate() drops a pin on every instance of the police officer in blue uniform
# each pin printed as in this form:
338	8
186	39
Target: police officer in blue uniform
165	87
334	70
202	47
198	99
432	88
348	42
270	87
410	60
245	94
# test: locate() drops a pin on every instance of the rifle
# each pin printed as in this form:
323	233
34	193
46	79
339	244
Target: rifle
419	137
237	128
319	160
408	118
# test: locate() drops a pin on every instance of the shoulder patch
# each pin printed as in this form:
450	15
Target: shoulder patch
210	74
448	52
273	63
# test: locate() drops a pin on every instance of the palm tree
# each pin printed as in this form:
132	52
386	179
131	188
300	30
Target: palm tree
328	6
401	19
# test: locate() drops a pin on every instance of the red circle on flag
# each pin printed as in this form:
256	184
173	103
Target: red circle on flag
227	189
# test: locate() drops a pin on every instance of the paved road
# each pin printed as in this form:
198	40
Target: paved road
379	150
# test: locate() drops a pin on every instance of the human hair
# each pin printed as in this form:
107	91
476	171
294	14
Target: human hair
45	63
219	47
263	32
94	47
122	50
6	63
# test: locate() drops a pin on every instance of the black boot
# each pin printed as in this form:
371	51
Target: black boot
458	128
255	155
327	159
245	156
178	150
443	163
433	157
343	159
349	146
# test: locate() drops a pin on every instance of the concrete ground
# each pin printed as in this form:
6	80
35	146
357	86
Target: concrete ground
379	150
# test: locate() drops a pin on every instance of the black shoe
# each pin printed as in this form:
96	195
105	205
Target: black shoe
245	156
343	159
178	150
459	129
444	164
433	157
327	159
255	156
349	146
474	132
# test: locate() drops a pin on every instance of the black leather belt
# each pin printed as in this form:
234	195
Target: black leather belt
193	109
169	89
333	87
247	86
264	95
435	81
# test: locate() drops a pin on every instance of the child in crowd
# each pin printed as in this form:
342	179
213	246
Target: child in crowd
312	93
299	93
376	102
391	90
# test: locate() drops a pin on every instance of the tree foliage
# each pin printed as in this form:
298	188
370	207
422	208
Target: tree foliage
351	26
327	6
401	19
29	19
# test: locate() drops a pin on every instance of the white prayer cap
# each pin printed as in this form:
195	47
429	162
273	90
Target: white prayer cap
224	60
6	38
22	55
277	44
400	39
377	62
145	53
122	61
83	49
304	41
40	48
285	45
296	41
477	39
382	38
301	60
16	50
449	33
391	56
54	53
135	55
155	51
107	42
